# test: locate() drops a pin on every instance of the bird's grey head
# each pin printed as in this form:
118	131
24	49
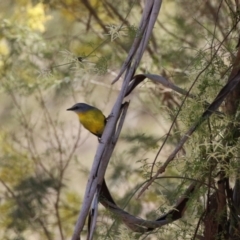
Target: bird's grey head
80	107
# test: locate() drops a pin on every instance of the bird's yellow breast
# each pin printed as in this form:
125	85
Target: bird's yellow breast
93	120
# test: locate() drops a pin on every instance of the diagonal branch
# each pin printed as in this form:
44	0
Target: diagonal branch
105	147
227	89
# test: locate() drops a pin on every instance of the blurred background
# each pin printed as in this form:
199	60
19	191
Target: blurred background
54	54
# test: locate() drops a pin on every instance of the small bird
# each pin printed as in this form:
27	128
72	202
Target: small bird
90	117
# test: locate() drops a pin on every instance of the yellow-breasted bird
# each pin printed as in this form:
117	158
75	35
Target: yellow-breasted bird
90	117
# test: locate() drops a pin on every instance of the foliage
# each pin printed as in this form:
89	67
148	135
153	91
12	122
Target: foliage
55	53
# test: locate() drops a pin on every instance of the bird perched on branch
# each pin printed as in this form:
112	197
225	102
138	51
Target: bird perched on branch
90	117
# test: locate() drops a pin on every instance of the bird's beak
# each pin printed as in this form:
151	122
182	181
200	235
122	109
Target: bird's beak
70	109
